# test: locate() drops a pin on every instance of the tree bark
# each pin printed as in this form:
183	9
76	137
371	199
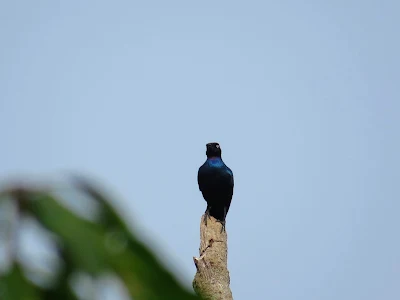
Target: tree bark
212	277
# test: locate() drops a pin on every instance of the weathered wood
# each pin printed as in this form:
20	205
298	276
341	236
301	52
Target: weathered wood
212	277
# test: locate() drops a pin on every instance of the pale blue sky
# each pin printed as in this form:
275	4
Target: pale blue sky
303	97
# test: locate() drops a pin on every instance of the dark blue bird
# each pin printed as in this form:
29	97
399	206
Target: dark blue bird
216	183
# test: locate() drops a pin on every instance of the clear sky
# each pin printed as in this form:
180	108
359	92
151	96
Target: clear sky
303	97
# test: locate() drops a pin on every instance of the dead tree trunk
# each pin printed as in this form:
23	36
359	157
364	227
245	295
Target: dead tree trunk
212	277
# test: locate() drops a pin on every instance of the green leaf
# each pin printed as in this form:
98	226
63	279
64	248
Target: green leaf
138	267
14	286
62	289
99	247
83	241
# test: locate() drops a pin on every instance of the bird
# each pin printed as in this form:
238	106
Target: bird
215	180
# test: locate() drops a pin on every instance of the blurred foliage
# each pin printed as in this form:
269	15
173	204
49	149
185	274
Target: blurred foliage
92	248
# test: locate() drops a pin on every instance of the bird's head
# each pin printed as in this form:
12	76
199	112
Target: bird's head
213	150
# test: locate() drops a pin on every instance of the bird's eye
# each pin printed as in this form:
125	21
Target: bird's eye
217	146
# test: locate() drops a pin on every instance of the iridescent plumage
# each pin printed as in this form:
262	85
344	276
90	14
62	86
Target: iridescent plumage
216	183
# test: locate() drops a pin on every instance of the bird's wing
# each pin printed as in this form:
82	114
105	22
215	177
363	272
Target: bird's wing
231	176
200	177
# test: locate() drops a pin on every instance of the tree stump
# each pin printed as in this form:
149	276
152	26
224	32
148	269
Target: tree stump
212	277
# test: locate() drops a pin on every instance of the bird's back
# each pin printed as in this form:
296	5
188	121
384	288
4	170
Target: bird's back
214	174
216	183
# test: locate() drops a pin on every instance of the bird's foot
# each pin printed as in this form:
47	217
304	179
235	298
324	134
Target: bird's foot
222	225
206	216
